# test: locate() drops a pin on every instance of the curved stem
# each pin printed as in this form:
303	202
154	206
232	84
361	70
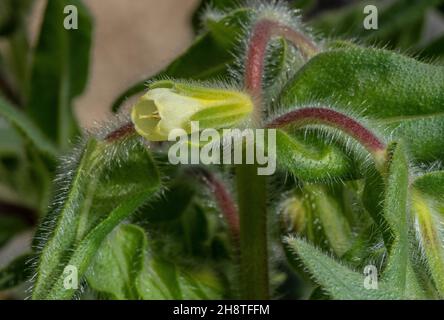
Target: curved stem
330	117
251	187
225	202
262	33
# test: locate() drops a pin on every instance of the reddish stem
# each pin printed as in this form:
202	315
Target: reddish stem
256	57
120	132
333	118
224	201
262	33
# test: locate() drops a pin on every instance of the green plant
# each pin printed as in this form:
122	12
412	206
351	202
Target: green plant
359	134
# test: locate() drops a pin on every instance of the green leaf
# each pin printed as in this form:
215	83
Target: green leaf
330	216
431	183
313	213
396	189
398	274
137	273
87	248
427	199
310	159
218	5
106	183
366	248
373	200
59	72
120	258
16	272
63	235
337	279
161	279
405	97
397	217
399	22
208	57
27	128
431	238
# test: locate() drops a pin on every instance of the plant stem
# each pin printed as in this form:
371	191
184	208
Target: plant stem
262	33
224	201
120	132
251	190
330	117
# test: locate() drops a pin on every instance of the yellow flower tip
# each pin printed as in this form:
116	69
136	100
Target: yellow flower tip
168	106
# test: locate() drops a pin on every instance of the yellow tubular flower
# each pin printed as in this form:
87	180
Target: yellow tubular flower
168	105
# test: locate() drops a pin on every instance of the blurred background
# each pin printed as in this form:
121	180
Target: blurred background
131	42
45	70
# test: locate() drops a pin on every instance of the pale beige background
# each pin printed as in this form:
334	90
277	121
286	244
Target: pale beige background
133	39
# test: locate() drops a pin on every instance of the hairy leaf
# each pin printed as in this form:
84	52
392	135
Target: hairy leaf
120	258
431	237
405	97
397	216
161	279
125	257
427	199
309	159
431	183
87	248
337	279
199	17
328	211
99	194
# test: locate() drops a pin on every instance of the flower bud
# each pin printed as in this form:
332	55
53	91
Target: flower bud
169	105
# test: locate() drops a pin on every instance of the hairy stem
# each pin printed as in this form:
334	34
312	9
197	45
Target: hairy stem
120	132
251	190
224	201
263	31
350	126
251	187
